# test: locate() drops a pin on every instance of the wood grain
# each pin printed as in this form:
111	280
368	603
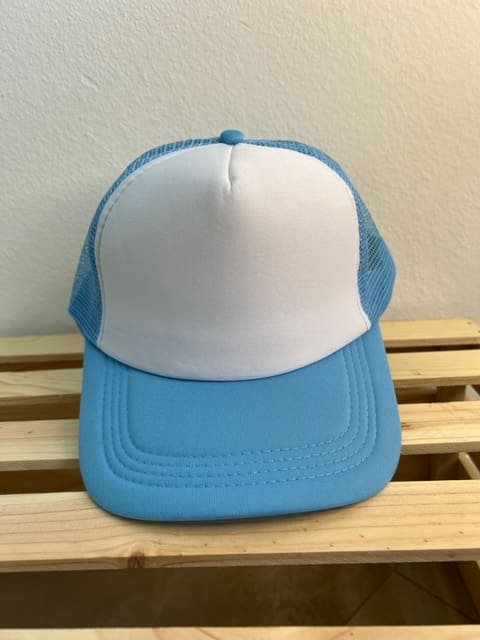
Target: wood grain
397	334
39	444
440	368
52	393
448	332
440	427
450	632
31	384
41	350
471	570
408	521
35	445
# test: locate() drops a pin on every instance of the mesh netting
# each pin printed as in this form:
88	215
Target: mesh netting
86	300
376	273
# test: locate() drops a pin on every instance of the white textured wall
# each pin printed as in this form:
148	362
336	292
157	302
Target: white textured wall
390	88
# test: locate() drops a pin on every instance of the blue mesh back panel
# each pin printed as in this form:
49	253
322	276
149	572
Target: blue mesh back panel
376	274
86	300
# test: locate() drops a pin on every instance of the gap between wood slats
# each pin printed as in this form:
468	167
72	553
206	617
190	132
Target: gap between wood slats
468	466
465	466
410	468
44	481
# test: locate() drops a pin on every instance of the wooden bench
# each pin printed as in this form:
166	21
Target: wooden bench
431	513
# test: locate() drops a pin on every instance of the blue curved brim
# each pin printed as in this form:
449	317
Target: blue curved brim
156	448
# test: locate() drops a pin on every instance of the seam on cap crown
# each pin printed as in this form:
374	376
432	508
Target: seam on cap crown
376	270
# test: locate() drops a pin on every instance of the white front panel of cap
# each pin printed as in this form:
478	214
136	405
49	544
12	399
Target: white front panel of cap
229	262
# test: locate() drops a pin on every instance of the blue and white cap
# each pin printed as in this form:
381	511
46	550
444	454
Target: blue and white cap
229	291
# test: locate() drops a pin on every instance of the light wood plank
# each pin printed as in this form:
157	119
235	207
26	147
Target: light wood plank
450	632
449	332
35	445
408	521
440	427
397	334
427	428
51	393
442	368
470	570
41	349
439	368
33	384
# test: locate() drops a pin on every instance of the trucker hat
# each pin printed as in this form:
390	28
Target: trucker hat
230	291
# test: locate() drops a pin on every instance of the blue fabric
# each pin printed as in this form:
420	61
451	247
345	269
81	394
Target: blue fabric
158	448
231	136
164	449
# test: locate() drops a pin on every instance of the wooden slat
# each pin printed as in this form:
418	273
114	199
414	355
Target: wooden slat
450	632
440	427
408	521
440	368
427	428
41	350
397	334
471	570
28	388
450	332
39	444
52	393
34	384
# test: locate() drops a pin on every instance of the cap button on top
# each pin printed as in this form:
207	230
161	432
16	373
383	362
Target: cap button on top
232	136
